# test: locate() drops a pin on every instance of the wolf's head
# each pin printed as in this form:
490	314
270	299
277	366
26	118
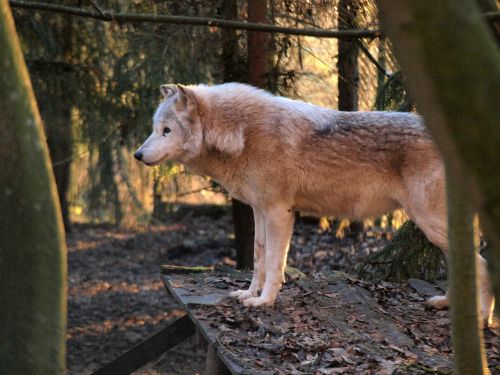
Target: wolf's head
177	133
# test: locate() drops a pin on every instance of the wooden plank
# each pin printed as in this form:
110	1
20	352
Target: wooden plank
184	288
150	349
317	324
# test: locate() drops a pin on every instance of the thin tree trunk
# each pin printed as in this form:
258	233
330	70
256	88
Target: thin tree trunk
233	62
455	79
348	71
32	249
54	102
233	72
347	64
56	112
258	46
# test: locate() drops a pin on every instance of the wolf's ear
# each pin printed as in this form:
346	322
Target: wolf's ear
228	140
187	97
168	90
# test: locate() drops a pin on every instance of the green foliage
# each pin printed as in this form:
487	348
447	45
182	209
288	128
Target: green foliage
108	75
393	96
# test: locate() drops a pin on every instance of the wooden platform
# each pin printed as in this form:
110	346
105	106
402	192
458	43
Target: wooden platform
325	325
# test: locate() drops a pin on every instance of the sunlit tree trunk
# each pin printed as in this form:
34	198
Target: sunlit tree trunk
32	250
455	79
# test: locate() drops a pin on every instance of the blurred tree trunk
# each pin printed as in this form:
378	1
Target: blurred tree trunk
32	249
455	79
491	6
348	70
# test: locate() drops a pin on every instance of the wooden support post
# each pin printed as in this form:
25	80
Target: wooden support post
214	365
152	348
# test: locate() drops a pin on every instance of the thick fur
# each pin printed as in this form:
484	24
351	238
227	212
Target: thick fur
280	155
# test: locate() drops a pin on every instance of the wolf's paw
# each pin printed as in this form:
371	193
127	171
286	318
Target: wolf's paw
258	301
438	302
243	294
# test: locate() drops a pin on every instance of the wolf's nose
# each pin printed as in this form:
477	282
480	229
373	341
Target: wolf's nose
138	155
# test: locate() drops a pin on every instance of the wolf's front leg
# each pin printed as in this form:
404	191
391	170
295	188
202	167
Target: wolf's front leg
258	260
278	229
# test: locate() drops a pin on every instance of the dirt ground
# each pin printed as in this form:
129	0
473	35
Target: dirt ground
116	298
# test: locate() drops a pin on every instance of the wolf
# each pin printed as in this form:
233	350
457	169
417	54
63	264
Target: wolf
281	155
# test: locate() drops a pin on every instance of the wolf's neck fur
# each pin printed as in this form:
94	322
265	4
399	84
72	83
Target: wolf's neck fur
220	167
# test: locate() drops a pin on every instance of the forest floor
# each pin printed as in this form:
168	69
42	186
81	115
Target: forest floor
116	297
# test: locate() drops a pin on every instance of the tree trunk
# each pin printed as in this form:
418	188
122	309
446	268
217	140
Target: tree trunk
32	249
232	67
233	62
455	79
257	71
258	46
56	113
244	230
347	64
348	71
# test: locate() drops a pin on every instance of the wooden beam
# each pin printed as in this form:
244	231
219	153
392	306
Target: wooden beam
150	349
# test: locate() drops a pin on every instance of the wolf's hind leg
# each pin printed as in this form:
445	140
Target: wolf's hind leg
436	232
485	294
258	261
486	298
434	224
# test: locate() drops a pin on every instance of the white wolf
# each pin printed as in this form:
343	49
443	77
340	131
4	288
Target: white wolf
280	155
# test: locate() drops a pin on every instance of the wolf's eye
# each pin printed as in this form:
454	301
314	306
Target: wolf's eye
166	131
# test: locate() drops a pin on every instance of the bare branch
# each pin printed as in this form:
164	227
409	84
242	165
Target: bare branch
187	20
